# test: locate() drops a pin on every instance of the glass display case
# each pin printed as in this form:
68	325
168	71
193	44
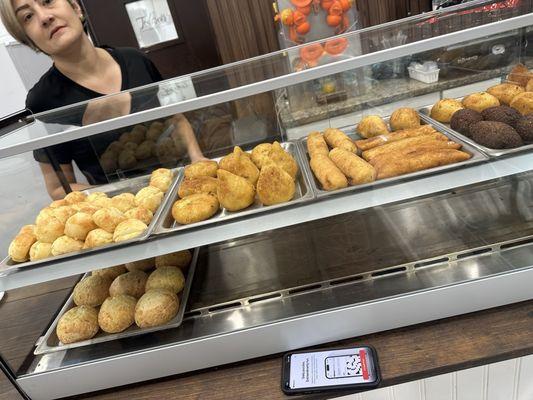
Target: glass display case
402	218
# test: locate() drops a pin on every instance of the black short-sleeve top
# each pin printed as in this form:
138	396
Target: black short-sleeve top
55	90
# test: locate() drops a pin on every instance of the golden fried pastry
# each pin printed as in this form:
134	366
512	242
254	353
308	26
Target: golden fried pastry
234	192
131	146
162	182
337	138
529	86
404	143
124	138
180	259
240	164
158	125
116	147
138	133
117	313
45	213
480	101
283	160
131	283
102	202
260	153
129	229
91	291
166	277
153	133
141	265
274	185
505	92
19	249
199	184
367	144
110	273
144	150
417	160
30	229
195	208
123	202
40	251
523	103
79	225
327	173
520	75
443	109
97	237
77	324
316	145
357	170
63	213
109	162
75	197
372	125
108	218
165	150
58	203
140	213
404	118
64	245
84	207
126	159
156	307
201	168
49	229
149	197
95	195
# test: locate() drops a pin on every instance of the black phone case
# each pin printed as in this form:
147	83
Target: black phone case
359	387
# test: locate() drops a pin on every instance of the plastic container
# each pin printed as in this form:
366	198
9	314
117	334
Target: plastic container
424	76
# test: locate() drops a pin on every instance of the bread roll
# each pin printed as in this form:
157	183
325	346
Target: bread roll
140	213
141	265
131	283
40	251
97	237
93	196
132	146
116	147
65	244
63	213
129	229
30	229
150	198
523	103
49	229
144	150
45	213
153	133
404	118
162	172
84	207
79	225
75	197
195	208
19	249
77	324
337	138
180	259
109	162
156	307
372	125
161	182
357	170
201	168
168	277
443	109
316	145
110	273
91	291
108	218
480	101
117	313
138	134
327	173
505	92
102	202
58	203
123	202
126	159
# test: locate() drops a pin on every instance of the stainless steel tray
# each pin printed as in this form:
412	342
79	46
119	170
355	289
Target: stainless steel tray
112	189
50	343
477	157
303	193
424	115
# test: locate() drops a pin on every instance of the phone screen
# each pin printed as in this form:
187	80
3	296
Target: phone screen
331	368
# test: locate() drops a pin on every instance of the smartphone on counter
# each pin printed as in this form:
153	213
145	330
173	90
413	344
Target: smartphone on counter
334	369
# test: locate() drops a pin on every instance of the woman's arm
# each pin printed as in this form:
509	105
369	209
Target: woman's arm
53	185
184	131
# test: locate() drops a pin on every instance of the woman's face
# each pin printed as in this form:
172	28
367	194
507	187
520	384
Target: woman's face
53	25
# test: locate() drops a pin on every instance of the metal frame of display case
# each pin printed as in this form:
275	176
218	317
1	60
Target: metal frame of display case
225	337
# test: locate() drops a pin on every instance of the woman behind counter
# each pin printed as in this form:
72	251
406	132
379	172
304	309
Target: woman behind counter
82	72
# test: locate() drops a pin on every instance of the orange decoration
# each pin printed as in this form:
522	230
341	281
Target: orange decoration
311	53
337	14
301	3
326	4
336	46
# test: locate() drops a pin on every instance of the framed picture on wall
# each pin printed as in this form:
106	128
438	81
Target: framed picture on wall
153	22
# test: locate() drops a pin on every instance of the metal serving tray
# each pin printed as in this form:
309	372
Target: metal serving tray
424	115
303	193
477	157
50	343
132	185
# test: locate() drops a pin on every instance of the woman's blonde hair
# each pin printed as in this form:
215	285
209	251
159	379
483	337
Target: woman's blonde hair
12	24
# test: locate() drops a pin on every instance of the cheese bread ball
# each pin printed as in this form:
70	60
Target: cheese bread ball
480	101
79	225
140	213
144	150
162	182
149	197
43	214
131	146
63	213
156	307
30	229
102	202
180	259
85	207
40	251
108	218
75	197
443	109
77	324
117	313
129	229
95	195
97	237
110	273
404	118
49	229
123	202
140	265
19	249
65	244
58	203
126	159
169	278
131	283
91	291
